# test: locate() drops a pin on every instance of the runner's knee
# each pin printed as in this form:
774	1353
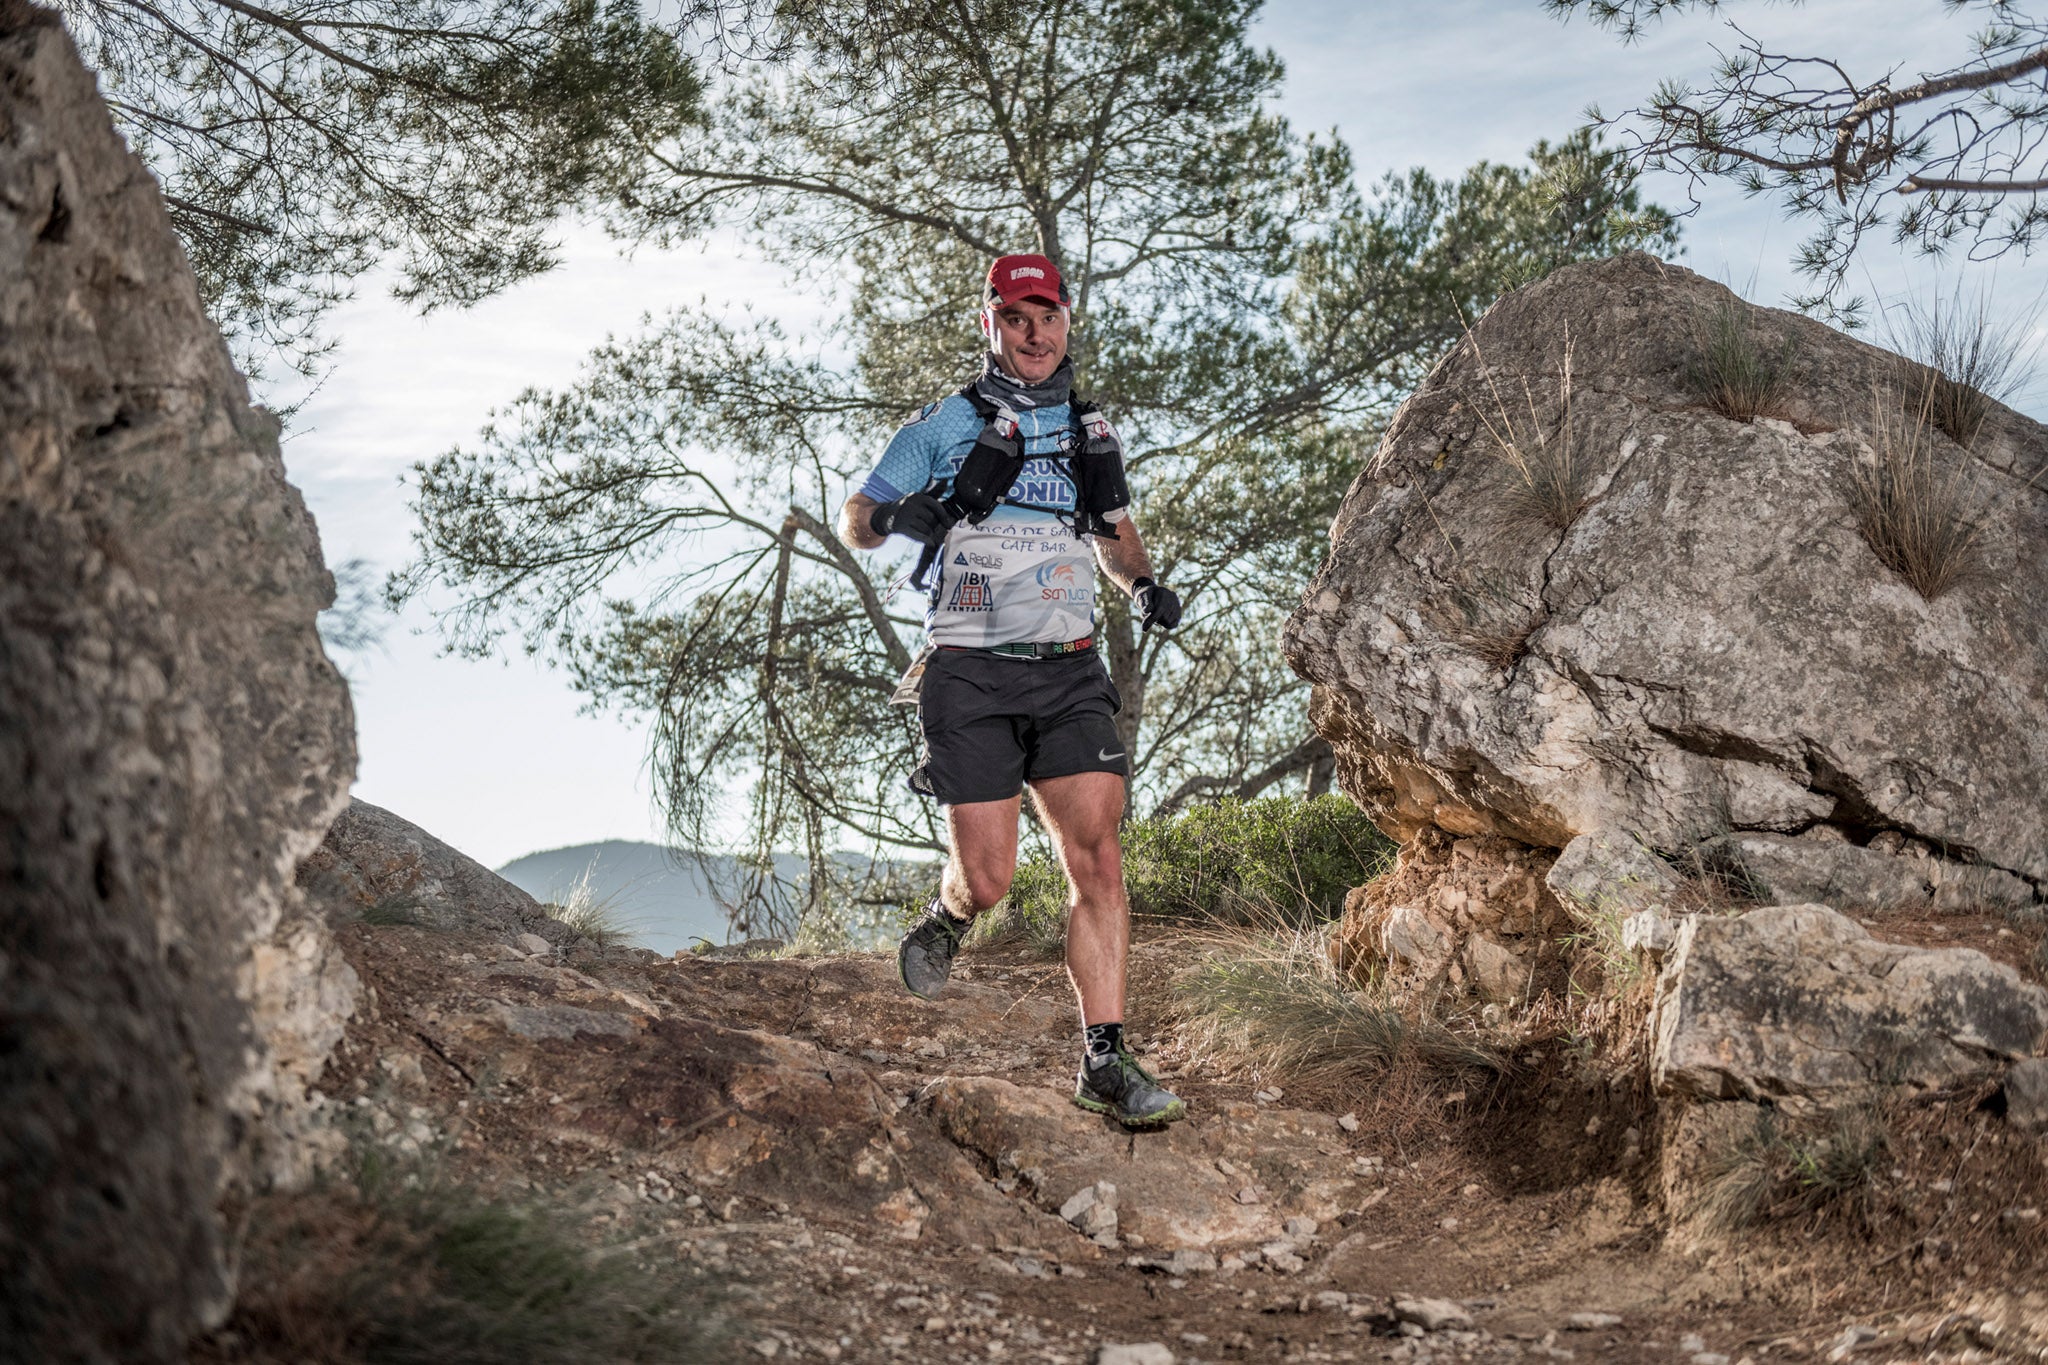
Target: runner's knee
985	883
1095	866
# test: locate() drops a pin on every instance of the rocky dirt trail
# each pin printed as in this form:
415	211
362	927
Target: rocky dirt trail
877	1178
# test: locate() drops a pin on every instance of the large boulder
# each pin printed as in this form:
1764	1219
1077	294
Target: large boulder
1798	1002
172	741
1709	645
373	861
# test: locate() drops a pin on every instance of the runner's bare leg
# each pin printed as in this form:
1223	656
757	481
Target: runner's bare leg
1083	812
984	857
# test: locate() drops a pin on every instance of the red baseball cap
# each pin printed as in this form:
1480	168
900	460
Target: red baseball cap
1012	279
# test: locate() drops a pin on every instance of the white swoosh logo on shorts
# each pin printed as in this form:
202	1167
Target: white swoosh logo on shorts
1105	755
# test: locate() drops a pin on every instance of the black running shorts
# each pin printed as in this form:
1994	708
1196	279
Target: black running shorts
992	723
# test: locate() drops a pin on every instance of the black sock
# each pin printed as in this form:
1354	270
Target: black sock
1102	1042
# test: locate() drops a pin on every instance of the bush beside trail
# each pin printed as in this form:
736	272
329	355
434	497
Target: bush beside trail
1277	861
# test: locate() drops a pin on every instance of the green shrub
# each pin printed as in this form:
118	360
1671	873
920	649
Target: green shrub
1273	861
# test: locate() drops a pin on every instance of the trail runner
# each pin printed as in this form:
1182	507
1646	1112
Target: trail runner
1011	692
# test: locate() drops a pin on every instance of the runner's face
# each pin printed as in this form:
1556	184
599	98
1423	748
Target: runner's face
1028	339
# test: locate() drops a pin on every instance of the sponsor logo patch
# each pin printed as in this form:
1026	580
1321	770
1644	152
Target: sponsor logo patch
1063	581
1027	271
923	414
972	593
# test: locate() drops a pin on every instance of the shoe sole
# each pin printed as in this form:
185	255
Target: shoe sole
904	977
1172	1113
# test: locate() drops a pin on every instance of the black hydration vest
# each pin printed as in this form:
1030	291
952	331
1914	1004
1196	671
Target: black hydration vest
1094	463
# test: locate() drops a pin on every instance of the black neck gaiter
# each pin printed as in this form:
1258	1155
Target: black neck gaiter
999	387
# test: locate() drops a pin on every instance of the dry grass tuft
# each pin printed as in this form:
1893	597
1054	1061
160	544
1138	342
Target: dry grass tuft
1547	479
1964	359
1778	1170
595	917
1734	372
1271	1004
1920	509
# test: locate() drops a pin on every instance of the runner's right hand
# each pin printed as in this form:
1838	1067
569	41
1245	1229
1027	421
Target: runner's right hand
919	517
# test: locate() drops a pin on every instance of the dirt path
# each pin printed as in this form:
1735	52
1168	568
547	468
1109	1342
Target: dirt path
876	1178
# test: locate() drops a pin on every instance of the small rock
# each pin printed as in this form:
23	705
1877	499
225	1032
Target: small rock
1097	1219
1449	1224
1132	1239
1030	1266
1106	1239
1709	1358
1433	1315
2026	1095
1230	1265
768	1347
1249	1195
1691	1343
1470	1191
1287	1263
1412	1329
934	1324
1327	1301
1266	1096
1190	1262
1853	1339
1138	1353
1349	1123
911	1303
1078	1203
1591	1322
536	946
1299	1227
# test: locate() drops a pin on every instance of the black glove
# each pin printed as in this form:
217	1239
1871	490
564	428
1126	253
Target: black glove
919	517
1157	604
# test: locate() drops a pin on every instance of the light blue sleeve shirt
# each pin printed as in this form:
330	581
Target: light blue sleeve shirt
1019	576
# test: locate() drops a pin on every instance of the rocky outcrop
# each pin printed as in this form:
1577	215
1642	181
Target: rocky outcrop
172	742
375	862
1456	918
1799	1002
1696	638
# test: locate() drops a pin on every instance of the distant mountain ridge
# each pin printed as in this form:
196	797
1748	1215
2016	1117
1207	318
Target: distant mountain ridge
665	898
661	896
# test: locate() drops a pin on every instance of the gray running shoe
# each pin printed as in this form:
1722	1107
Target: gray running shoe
924	959
1127	1093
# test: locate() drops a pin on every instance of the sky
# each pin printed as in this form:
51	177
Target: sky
500	758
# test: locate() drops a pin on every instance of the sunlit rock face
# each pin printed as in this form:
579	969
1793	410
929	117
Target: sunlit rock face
1698	641
172	742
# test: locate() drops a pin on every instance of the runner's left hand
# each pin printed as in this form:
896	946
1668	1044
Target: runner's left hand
1157	604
